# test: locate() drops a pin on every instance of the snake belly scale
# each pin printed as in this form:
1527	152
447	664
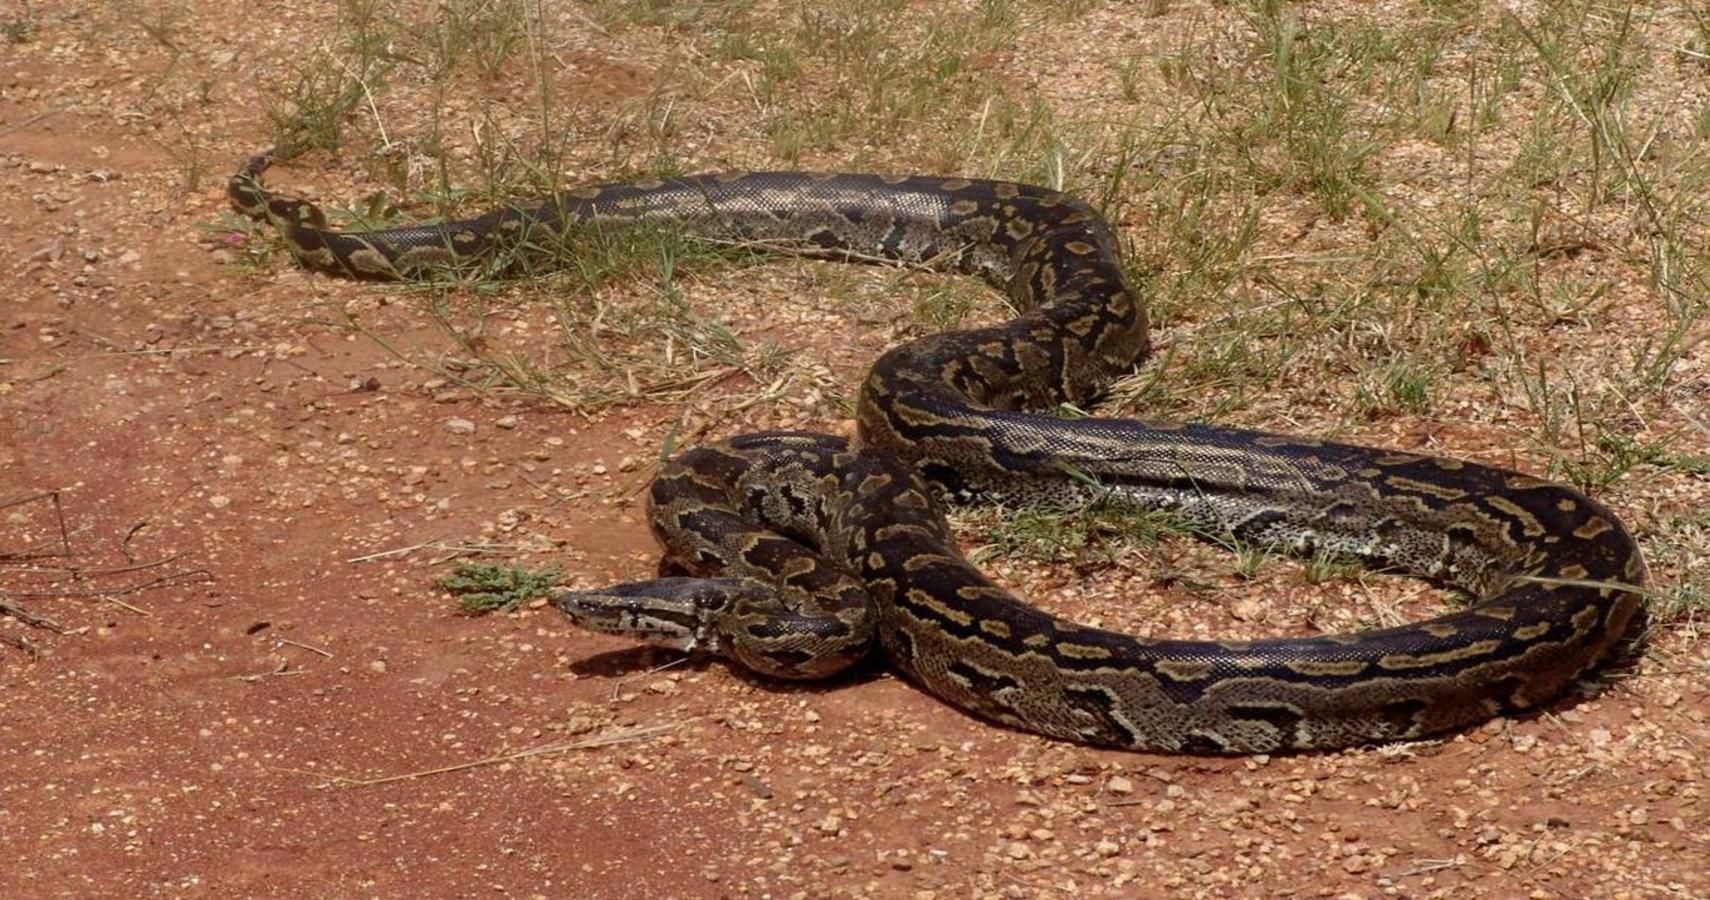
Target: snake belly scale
795	554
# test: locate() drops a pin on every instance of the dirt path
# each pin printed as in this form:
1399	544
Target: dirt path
247	505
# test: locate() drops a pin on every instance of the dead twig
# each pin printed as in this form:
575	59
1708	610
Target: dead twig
283	670
311	649
111	595
44	114
29	618
1427	866
616	736
617	686
455	548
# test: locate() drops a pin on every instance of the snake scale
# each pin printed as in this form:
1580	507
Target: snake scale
795	554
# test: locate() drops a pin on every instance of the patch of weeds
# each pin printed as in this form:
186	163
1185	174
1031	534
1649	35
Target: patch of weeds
947	305
609	352
256	245
1401	383
1322	568
484	34
21	27
877	69
1682	278
336	79
1250	559
483	588
1611	455
1100	531
1327	150
1680	603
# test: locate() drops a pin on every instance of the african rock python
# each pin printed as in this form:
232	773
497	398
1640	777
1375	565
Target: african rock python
792	552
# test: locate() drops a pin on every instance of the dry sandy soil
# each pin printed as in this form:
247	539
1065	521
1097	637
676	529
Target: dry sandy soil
234	506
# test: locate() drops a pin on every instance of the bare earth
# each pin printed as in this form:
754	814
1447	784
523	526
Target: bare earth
251	500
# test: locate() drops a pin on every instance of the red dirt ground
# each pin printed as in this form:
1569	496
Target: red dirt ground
248	501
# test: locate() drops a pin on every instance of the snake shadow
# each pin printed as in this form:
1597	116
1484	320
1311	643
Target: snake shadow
643	660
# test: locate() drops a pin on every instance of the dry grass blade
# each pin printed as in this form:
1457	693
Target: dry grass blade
604	739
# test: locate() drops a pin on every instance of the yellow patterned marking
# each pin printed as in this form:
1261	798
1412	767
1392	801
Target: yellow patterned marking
925	600
1320	668
1036	641
1184	670
1397	459
1449	465
892	532
1584	619
920	562
1081	651
367	260
1425	487
995	628
1574	570
1283	441
1532	632
1499	613
1593	527
1398	661
1529	523
956	184
1439	629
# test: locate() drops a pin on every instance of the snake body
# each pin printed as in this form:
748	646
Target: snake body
795	553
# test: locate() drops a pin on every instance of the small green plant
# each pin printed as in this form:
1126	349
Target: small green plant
1398	384
485	588
1322	567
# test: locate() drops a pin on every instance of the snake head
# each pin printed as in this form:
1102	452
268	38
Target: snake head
676	612
739	619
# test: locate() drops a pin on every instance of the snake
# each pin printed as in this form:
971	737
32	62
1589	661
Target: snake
797	554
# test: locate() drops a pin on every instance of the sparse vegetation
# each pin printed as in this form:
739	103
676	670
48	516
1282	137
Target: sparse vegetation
484	588
1343	219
